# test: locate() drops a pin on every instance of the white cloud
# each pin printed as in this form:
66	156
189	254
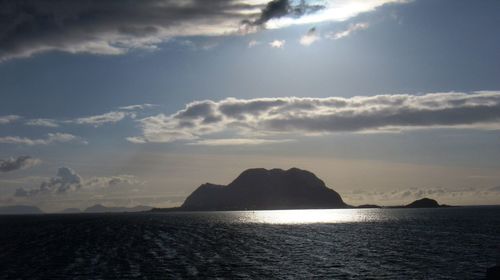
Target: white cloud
42	122
50	139
253	43
98	120
302	115
310	37
277	44
352	28
8	119
137	107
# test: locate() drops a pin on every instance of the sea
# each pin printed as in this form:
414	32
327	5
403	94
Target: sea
442	243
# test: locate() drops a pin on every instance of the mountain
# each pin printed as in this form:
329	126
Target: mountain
423	203
260	189
19	210
98	208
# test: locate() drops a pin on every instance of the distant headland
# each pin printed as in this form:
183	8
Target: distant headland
274	189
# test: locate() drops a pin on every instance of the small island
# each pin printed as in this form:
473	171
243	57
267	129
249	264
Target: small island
423	203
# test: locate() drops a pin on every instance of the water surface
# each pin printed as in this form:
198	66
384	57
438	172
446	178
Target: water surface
445	243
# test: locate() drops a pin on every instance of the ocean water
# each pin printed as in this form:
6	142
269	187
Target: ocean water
445	243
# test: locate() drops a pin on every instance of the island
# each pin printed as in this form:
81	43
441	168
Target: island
424	203
263	189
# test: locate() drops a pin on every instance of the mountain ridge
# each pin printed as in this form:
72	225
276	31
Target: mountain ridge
263	189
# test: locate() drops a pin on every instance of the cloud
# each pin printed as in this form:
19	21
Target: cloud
299	115
277	44
273	9
111	27
112	181
42	122
331	11
238	142
115	27
50	139
253	43
137	107
310	37
8	119
351	29
22	162
67	180
280	8
98	120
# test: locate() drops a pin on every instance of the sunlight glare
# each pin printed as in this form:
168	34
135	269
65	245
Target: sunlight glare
310	216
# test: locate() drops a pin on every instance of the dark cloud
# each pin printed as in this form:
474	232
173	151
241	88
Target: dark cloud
22	162
403	117
381	113
282	8
111	26
273	9
67	180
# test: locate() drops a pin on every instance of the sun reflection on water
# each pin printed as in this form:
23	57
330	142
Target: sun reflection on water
309	216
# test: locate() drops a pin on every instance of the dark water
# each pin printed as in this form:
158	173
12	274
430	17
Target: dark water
451	243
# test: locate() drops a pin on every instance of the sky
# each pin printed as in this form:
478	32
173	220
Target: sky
140	102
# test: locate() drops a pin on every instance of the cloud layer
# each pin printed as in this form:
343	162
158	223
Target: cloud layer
50	139
8	119
67	180
115	27
22	162
296	115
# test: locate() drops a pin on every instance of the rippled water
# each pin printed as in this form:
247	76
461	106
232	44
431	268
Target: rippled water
446	243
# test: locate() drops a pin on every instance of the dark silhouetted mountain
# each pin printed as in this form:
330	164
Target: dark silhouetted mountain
98	208
71	211
423	203
19	210
260	189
